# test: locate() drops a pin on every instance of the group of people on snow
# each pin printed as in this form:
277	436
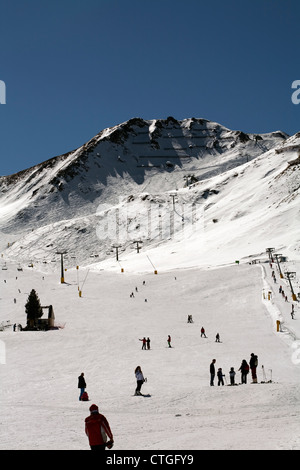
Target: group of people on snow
244	369
146	342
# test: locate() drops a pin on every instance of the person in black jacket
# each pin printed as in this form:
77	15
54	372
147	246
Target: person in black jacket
253	365
81	384
212	372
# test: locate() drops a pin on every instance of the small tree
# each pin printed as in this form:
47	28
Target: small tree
33	309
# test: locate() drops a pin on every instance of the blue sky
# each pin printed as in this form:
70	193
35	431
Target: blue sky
74	67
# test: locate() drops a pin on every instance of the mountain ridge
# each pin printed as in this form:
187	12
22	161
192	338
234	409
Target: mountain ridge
121	164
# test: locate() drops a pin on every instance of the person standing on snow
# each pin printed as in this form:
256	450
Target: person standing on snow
144	341
203	332
244	371
253	365
139	380
220	376
169	341
212	372
98	430
81	384
232	376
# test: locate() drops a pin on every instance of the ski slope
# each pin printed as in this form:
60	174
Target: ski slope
245	200
39	405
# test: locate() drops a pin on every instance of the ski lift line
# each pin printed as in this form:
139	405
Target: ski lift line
150	262
84	279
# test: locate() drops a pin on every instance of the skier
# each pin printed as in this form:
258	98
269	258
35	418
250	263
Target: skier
81	384
232	376
148	343
144	341
292	312
244	371
217	338
98	430
253	365
139	380
169	341
220	376
212	372
203	332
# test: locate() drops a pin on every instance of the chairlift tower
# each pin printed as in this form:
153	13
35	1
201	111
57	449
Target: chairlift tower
117	246
138	247
277	256
62	253
269	252
289	276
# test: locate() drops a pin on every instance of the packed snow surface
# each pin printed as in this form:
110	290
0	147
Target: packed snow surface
100	334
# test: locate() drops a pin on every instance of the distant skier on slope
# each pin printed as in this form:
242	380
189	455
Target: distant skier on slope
144	341
169	341
203	332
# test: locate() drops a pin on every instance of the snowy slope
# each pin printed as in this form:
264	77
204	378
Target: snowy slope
245	200
39	396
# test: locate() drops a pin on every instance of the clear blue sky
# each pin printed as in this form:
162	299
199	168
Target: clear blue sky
74	67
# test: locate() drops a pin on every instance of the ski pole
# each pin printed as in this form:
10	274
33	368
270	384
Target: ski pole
271	374
264	374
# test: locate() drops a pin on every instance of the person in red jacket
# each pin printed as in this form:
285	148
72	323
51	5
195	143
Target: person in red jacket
98	430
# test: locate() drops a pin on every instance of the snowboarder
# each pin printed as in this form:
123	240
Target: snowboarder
139	380
148	343
220	376
169	341
232	376
98	430
217	338
212	372
253	365
203	332
144	341
244	371
81	384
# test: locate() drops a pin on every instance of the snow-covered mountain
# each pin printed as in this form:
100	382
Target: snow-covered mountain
199	197
156	181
